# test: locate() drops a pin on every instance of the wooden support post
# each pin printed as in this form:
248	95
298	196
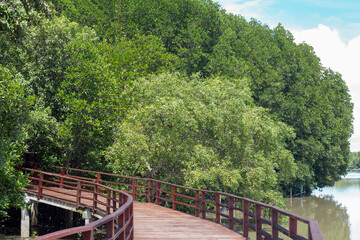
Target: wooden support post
78	195
95	197
157	200
246	219
41	178
88	235
149	191
98	177
258	221
292	226
203	205
217	207
134	189
174	197
62	172
274	222
114	201
121	224
197	203
110	230
108	201
131	225
231	213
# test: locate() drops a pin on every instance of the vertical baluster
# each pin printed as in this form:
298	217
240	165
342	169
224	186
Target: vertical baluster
88	235
275	221
217	207
114	201
258	221
231	213
292	226
157	200
134	189
98	177
203	205
246	219
197	203
110	229
41	178
174	197
78	194
95	194
62	172
149	190
108	202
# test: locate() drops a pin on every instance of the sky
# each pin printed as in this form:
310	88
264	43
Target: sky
332	27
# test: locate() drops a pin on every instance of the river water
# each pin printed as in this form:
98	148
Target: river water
337	208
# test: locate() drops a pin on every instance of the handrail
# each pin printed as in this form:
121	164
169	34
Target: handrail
201	202
118	213
205	201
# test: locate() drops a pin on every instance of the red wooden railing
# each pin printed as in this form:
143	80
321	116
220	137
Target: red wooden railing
117	206
203	203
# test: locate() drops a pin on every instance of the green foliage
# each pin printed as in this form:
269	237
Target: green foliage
13	113
202	133
354	160
16	14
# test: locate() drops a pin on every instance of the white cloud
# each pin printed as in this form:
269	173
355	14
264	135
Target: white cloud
341	57
249	9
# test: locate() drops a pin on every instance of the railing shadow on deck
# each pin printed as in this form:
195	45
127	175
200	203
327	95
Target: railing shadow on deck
201	202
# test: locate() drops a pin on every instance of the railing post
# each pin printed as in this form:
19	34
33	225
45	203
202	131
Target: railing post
108	202
157	200
110	229
149	191
88	235
41	178
98	177
203	205
134	189
62	172
121	224
246	219
231	213
114	201
78	194
275	221
292	226
197	203
131	226
95	197
258	221
174	197
217	207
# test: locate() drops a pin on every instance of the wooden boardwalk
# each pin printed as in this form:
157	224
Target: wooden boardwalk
154	222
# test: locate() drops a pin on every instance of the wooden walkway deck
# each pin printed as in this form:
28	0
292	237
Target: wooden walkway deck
152	221
156	222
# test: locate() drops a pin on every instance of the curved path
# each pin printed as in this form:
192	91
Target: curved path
151	221
125	218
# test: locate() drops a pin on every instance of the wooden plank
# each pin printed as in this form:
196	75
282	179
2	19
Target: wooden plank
156	222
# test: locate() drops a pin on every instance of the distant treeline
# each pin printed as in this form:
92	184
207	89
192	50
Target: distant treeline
178	90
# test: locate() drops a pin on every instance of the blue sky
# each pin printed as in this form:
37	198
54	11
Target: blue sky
304	14
331	27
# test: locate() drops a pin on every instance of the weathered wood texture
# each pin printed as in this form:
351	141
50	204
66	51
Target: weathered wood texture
156	222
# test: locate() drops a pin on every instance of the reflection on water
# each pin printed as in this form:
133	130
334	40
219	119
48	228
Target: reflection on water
337	208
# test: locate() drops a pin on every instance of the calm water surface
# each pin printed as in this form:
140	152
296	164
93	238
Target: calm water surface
337	209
